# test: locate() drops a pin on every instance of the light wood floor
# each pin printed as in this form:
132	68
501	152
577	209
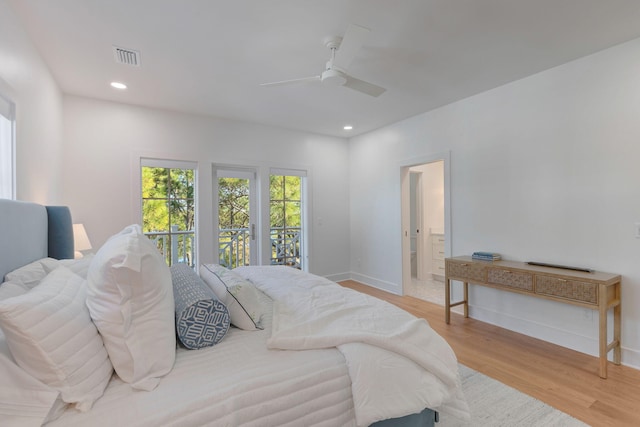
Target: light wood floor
563	378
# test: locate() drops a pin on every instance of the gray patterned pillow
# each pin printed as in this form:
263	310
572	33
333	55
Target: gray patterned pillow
201	319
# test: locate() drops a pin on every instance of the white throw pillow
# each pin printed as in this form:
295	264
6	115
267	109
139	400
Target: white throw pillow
51	336
130	298
238	294
31	274
11	289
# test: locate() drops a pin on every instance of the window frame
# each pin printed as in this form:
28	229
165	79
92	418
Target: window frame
305	230
8	150
173	164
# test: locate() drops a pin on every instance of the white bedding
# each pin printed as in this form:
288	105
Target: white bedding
245	380
236	382
397	363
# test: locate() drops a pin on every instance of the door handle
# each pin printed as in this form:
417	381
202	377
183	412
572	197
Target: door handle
253	232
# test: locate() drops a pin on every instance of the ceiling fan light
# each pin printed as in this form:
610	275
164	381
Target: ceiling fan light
333	78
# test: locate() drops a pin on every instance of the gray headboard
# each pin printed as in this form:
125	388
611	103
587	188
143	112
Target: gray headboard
29	231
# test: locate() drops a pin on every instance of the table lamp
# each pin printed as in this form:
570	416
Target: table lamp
80	240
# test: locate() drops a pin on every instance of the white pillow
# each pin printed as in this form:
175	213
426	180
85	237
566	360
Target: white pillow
31	274
51	336
130	298
238	294
11	289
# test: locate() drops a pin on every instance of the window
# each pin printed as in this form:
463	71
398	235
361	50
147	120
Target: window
7	144
286	217
169	208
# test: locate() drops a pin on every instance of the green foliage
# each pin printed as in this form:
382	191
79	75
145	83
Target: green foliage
168	199
285	201
233	203
285	212
168	205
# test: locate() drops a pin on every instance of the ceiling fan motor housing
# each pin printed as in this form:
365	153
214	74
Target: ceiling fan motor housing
333	76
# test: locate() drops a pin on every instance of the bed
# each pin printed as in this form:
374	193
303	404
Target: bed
323	355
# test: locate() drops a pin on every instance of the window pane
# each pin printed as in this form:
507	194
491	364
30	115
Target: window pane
233	201
276	191
182	214
154	182
292	211
182	181
277	214
292	188
155	215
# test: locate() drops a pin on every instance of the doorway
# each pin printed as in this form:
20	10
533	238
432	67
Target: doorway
425	217
236	211
261	216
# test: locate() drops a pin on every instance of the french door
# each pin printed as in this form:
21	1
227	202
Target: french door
272	206
238	241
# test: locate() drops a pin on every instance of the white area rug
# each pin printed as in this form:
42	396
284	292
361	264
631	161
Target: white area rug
493	404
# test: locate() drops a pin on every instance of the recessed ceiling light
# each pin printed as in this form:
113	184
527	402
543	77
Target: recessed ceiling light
118	85
347	127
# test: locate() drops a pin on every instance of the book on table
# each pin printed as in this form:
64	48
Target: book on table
486	256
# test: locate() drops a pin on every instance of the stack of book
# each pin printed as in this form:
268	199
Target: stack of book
486	256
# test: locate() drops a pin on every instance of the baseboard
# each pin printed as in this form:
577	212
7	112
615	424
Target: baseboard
394	288
631	358
552	334
338	277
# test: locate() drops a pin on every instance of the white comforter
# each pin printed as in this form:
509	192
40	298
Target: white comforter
237	382
398	365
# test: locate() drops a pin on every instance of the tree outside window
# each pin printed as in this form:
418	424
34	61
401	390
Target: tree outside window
168	211
286	219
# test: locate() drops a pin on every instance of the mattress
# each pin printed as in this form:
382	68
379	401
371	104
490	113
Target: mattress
236	382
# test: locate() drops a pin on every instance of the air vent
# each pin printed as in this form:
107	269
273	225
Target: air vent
126	56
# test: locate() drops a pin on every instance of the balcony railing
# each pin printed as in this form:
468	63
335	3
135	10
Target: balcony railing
234	246
176	246
233	249
285	247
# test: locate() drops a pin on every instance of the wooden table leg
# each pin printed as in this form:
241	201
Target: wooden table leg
447	300
602	334
466	299
617	327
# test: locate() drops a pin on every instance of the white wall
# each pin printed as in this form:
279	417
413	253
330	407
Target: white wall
103	142
543	169
26	80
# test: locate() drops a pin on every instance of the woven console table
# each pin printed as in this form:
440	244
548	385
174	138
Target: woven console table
594	290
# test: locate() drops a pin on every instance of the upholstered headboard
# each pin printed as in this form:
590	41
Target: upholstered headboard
29	231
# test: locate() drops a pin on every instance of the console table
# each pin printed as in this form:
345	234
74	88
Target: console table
594	290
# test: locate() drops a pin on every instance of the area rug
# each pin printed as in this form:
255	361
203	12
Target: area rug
494	404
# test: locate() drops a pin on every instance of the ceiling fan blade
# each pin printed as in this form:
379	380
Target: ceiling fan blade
364	87
293	81
351	43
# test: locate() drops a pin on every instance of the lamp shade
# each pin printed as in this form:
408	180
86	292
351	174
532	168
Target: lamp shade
80	240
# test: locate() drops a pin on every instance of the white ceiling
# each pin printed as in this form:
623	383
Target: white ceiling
210	56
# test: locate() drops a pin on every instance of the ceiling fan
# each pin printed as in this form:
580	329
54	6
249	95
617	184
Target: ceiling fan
343	50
